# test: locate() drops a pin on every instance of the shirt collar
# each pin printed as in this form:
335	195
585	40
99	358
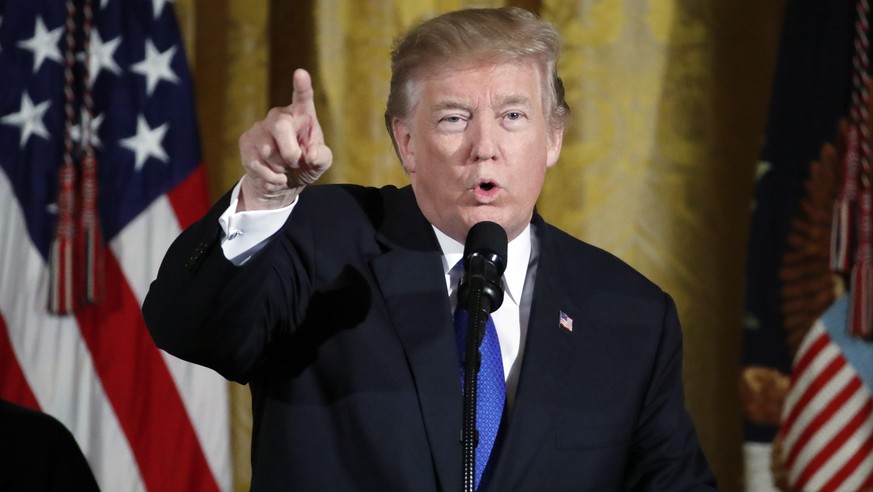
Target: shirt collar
518	253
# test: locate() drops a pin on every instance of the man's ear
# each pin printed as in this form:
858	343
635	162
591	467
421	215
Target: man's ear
402	142
556	141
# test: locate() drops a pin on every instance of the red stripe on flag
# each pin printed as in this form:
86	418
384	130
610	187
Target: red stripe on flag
822	418
13	385
835	443
867	484
806	358
821	380
190	199
141	390
863	453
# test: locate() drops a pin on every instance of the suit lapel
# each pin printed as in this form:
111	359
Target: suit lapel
410	277
547	353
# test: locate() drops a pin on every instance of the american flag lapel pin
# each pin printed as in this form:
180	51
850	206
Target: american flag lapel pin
566	322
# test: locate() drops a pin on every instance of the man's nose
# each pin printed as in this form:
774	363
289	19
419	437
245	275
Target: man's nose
484	146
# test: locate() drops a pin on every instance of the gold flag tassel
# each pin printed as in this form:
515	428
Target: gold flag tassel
62	273
76	255
92	243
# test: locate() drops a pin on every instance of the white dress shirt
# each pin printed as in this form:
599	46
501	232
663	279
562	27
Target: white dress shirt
510	320
245	233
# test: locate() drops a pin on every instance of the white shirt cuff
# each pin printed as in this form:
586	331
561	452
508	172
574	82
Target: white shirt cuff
247	232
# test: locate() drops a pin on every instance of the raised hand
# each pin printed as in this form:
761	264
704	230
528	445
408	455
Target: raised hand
284	152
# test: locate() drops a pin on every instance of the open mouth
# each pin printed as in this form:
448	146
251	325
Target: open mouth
486	191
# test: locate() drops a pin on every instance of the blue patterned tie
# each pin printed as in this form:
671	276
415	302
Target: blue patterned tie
491	387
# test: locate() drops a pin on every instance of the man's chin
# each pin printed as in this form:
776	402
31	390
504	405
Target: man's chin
513	224
489	216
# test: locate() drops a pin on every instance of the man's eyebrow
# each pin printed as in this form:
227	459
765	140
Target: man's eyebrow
513	100
450	104
502	102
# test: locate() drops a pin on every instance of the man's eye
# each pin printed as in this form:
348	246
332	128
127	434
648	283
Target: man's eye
514	115
452	119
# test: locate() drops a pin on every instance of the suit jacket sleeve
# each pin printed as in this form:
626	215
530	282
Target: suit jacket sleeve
202	308
665	454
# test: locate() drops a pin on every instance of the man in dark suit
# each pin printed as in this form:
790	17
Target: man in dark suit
335	304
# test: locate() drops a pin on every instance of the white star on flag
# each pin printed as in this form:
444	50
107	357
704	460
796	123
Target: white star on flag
93	125
101	55
29	119
156	66
147	142
43	44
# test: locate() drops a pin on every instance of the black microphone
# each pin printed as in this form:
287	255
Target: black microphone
480	292
484	263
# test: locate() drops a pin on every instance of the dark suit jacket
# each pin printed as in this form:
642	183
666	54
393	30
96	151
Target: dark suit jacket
342	327
39	454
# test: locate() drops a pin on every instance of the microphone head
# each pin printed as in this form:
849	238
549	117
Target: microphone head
484	264
487	239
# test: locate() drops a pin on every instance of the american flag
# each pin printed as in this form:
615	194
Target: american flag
827	421
144	420
566	321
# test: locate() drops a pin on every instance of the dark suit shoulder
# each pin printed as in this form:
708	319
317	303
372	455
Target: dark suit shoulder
343	195
346	204
592	264
354	212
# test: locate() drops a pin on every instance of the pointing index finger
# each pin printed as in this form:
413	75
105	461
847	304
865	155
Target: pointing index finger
302	100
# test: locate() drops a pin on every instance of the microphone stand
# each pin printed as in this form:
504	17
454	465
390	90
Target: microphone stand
480	292
479	307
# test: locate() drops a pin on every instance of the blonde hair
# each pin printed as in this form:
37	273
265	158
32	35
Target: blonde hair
495	34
